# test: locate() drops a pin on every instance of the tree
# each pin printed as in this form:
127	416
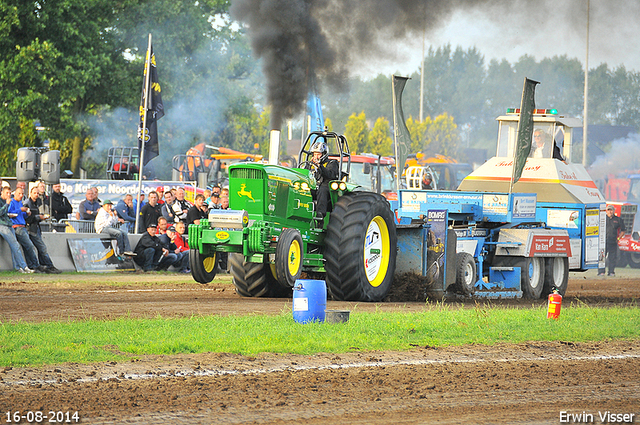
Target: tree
380	142
357	132
442	136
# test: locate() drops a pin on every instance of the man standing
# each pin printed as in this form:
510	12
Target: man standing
106	222
9	235
18	214
89	207
125	211
150	255
151	211
60	205
35	233
198	211
167	207
181	207
615	230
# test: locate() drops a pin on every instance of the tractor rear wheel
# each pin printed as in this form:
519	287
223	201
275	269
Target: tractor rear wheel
556	275
203	267
289	257
466	274
360	248
254	279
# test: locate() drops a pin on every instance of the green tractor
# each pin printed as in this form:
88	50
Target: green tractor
273	235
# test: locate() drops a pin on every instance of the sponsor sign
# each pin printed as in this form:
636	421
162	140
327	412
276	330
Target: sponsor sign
524	206
550	244
97	255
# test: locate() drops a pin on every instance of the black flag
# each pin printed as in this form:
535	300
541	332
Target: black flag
525	128
153	109
402	137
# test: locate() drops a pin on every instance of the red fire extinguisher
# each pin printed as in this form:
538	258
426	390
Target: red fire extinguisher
554	305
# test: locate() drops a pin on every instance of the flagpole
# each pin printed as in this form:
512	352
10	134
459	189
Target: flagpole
145	108
395	135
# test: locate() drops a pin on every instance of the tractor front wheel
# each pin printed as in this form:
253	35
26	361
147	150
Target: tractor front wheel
289	257
203	267
360	248
254	279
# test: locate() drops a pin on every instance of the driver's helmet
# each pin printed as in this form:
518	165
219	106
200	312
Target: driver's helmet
320	146
426	179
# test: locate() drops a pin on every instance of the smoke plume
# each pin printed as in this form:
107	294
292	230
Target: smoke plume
304	41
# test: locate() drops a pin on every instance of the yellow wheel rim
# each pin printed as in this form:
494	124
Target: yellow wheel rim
209	263
377	251
294	258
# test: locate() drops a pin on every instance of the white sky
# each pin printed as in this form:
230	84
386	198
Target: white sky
614	36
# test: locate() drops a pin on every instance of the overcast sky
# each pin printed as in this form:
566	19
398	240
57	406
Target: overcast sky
614	35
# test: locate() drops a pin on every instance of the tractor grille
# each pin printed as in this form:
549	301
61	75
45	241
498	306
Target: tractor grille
246	173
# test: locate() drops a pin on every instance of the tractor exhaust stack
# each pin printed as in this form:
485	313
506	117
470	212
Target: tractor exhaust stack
274	146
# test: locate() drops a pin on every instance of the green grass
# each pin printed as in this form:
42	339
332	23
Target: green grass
31	344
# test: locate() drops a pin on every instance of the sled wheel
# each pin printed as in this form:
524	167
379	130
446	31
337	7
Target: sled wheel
531	273
532	278
203	267
289	255
360	248
556	275
254	279
466	274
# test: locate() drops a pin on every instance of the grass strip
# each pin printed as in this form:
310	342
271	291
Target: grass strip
32	344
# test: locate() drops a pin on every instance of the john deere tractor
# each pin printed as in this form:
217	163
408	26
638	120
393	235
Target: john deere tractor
273	234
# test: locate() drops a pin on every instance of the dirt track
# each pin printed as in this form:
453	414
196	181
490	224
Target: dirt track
524	383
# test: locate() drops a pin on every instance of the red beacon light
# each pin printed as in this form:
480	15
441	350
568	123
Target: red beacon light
535	111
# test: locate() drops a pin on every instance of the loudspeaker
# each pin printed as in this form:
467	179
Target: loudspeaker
202	180
50	169
27	165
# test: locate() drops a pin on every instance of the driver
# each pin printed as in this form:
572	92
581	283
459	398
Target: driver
327	170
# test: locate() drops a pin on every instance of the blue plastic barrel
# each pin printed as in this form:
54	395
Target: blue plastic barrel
309	300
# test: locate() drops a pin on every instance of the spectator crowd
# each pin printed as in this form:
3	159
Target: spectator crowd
163	222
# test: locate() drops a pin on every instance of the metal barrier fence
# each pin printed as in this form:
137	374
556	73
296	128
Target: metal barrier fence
79	226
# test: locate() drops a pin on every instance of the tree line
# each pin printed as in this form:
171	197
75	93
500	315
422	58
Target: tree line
71	74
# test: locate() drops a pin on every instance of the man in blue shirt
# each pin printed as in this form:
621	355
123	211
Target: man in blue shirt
18	214
8	234
125	210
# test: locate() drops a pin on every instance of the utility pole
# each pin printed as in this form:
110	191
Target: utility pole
586	95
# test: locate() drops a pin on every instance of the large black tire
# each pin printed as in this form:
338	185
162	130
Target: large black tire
360	248
531	273
556	275
254	279
289	256
466	273
203	268
634	260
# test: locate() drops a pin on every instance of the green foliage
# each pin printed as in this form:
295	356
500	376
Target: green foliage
357	132
380	142
33	344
